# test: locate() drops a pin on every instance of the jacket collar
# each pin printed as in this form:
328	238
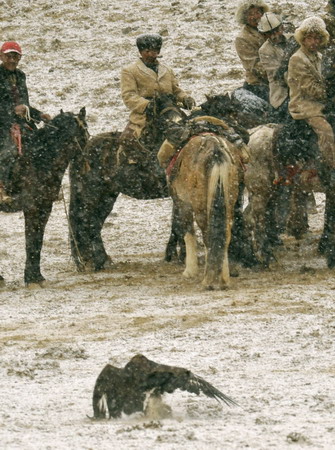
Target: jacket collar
143	68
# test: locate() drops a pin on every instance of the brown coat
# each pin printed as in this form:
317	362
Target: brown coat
247	44
139	84
271	56
306	85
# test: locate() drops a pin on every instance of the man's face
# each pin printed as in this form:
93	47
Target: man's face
312	42
276	37
149	55
254	15
10	60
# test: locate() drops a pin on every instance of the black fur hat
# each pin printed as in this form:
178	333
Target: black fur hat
149	41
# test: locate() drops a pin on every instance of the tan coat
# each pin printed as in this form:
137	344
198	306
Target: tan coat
247	44
306	85
271	56
139	84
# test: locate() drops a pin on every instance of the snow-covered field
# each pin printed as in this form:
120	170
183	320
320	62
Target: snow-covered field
268	342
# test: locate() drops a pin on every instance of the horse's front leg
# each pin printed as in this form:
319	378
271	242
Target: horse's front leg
329	227
35	221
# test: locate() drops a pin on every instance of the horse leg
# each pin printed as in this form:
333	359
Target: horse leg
98	215
256	226
176	237
297	222
187	229
240	249
329	225
35	222
216	232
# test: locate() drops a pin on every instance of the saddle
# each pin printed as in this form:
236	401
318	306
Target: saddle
294	148
296	142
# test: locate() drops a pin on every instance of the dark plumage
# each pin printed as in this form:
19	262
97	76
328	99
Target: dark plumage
127	390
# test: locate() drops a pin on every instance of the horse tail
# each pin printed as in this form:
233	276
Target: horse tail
218	214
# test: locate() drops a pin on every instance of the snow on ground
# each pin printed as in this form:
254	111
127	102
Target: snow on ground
268	342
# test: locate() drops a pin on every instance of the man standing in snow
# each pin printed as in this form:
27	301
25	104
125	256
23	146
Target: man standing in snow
140	82
248	42
16	115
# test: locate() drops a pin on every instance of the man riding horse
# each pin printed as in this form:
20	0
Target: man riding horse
274	55
247	44
140	83
17	117
308	94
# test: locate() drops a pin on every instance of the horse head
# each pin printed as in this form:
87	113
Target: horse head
75	125
167	111
220	106
65	134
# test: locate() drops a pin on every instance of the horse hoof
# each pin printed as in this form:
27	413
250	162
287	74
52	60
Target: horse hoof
35	285
108	264
234	272
190	274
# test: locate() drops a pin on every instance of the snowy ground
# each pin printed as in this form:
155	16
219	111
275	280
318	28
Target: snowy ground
268	342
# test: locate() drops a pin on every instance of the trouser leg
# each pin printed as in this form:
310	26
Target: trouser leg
165	153
326	139
131	150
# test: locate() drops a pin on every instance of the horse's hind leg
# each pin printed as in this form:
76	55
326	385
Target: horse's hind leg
176	238
102	209
297	222
329	227
187	229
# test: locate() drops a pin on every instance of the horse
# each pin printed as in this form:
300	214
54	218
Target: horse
204	186
99	178
36	180
309	174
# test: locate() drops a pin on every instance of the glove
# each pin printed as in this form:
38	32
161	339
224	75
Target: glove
189	102
150	110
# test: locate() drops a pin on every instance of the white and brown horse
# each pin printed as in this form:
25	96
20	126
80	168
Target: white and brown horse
204	187
260	215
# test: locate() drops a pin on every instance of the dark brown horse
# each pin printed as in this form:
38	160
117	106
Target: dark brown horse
37	178
98	179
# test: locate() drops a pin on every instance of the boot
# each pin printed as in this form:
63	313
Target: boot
4	198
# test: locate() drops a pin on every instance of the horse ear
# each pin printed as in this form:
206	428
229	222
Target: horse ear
61	111
82	113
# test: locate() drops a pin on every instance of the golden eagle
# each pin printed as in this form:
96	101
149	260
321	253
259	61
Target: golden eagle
128	390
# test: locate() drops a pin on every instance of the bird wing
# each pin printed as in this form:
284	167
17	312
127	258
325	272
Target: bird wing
195	384
107	395
168	379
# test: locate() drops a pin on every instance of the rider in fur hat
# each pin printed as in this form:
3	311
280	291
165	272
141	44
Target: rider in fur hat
140	82
247	44
274	56
307	87
328	66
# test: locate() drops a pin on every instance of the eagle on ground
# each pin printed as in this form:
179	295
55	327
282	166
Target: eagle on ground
129	389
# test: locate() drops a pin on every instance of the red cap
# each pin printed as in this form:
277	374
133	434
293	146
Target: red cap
11	46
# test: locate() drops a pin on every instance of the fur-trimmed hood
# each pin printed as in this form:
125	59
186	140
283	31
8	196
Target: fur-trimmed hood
312	25
243	7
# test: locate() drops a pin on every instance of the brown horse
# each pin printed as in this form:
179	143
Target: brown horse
204	188
39	173
98	179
